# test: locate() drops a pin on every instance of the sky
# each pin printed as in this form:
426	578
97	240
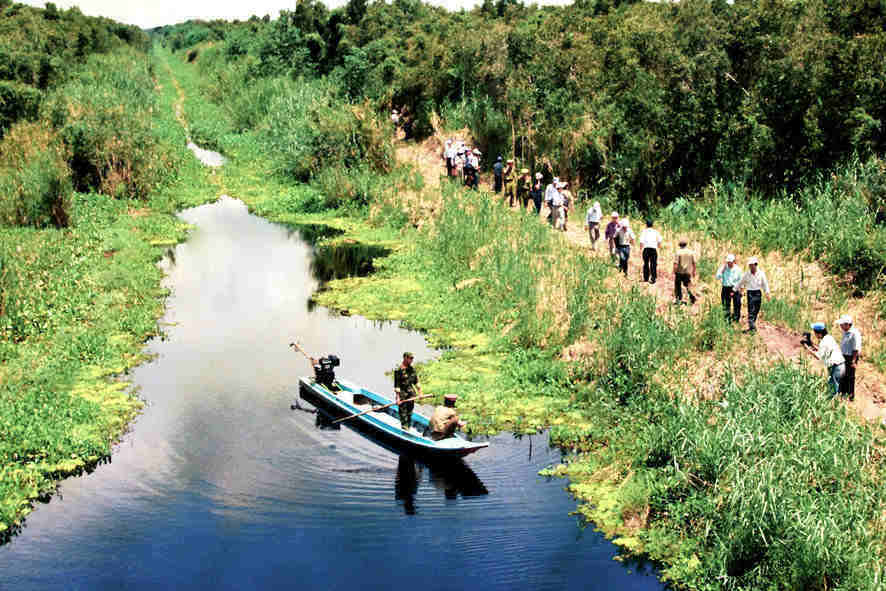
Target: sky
152	13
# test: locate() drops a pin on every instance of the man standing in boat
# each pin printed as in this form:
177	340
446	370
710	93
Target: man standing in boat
445	420
406	387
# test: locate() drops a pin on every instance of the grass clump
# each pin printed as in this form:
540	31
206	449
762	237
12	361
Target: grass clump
35	181
105	116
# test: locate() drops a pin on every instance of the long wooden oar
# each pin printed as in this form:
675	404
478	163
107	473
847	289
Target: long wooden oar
380	407
298	348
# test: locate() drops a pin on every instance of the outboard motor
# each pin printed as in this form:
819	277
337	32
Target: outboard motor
324	371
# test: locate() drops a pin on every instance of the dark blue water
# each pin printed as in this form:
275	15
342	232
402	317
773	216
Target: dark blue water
220	485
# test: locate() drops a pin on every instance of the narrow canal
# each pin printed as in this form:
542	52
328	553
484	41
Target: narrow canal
221	485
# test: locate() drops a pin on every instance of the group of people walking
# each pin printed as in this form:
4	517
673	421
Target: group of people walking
520	189
518	186
462	162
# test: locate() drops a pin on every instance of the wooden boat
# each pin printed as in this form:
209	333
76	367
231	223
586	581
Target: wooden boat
382	426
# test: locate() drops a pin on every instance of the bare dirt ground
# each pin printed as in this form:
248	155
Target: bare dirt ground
772	341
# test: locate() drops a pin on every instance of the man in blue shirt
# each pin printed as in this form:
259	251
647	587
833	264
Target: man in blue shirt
729	275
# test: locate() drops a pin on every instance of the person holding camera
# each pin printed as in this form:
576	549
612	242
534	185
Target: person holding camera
828	352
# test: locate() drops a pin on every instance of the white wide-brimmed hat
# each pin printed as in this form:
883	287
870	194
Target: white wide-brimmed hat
730	258
752	261
845	319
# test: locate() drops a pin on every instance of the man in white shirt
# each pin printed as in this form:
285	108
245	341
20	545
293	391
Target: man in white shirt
592	223
850	347
828	352
550	192
558	209
755	283
650	240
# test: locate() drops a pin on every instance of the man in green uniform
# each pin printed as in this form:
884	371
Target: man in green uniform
524	186
510	179
406	387
445	420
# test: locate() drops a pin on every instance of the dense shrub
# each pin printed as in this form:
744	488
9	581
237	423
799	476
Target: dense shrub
35	181
105	116
17	101
311	129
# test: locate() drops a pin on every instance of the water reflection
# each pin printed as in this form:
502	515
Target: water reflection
453	478
341	260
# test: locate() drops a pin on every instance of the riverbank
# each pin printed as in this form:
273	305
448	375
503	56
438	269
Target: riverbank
78	305
693	445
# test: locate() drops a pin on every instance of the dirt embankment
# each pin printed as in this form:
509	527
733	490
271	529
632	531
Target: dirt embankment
788	278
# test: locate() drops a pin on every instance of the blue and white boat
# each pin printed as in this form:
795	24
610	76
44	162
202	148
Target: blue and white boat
382	426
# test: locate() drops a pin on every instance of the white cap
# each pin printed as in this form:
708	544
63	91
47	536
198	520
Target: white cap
845	319
730	258
449	141
615	214
752	261
626	222
556	180
538	175
597	204
477	152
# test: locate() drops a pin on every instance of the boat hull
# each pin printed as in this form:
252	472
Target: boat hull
382	426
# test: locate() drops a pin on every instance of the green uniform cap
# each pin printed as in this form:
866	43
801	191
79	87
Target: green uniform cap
408	354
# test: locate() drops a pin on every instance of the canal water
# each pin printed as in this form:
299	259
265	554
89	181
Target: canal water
222	485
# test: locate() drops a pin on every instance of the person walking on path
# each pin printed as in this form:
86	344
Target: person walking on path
850	347
650	240
510	180
623	239
828	352
406	387
592	223
729	275
755	282
444	421
395	120
609	234
524	186
474	159
537	192
497	170
448	154
567	202
684	271
558	210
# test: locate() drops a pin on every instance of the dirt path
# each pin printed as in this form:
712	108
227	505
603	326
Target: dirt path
774	340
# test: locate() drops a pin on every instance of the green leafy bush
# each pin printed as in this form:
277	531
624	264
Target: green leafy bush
17	102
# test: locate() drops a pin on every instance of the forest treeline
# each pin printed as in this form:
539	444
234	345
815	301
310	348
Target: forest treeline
649	100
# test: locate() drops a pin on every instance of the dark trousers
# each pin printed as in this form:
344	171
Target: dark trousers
731	298
681	279
405	411
847	384
650	264
449	167
536	200
624	253
755	299
496	185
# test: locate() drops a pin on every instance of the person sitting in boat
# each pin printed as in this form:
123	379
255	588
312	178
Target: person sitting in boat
406	388
324	370
445	420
